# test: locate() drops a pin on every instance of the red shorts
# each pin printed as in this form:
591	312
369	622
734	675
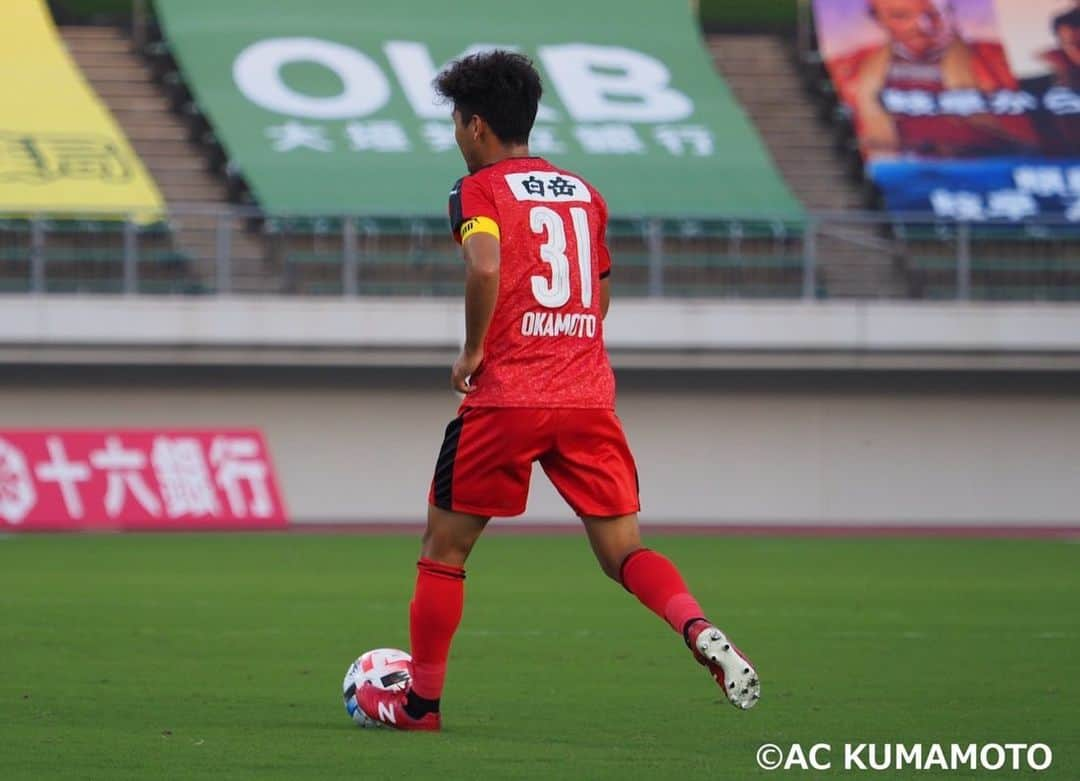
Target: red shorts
487	455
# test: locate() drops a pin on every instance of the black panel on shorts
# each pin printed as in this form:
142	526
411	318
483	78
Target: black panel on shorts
444	466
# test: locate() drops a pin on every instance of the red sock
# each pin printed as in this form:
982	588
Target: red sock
434	615
655	581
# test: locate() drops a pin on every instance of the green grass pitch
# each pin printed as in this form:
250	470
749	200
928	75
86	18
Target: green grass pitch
221	657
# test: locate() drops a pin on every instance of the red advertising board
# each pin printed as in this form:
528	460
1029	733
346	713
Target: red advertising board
137	479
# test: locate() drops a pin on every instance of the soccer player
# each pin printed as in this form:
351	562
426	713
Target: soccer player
537	386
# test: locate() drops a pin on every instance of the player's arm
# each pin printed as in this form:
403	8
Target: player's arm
481	287
480	241
475	227
605	297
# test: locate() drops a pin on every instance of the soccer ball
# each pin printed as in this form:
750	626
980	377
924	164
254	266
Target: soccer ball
387	668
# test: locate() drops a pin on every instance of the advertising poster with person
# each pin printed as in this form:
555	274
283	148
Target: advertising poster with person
965	108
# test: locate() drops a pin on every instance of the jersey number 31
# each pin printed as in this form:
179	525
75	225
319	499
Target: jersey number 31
555	293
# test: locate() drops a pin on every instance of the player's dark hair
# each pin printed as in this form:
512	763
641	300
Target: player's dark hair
501	87
1068	19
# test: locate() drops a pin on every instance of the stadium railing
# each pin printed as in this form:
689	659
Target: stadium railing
735	257
91	254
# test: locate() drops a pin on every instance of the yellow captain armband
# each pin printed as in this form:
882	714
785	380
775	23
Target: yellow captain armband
479	225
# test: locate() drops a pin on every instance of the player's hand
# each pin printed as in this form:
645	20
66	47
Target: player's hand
467	363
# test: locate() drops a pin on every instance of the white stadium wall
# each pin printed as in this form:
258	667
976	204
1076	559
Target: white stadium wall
791	448
784	413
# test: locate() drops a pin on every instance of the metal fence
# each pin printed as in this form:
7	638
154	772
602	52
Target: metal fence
213	251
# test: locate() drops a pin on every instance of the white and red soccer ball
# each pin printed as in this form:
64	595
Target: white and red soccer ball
387	668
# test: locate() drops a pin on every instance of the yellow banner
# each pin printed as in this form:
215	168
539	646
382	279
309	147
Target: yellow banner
61	151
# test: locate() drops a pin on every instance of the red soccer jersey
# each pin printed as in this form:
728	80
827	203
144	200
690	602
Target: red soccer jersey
545	346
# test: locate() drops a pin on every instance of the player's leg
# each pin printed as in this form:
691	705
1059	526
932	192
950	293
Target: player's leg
434	616
657	583
593	468
438	601
482	470
648	575
450	536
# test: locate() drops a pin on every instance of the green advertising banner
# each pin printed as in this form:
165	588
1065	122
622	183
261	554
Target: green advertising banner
326	106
